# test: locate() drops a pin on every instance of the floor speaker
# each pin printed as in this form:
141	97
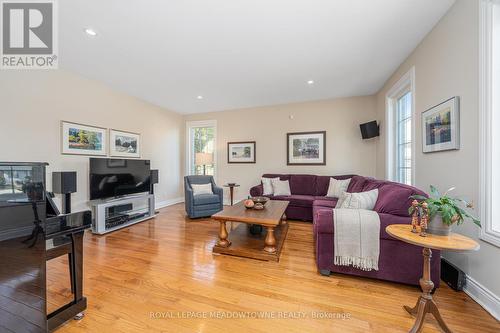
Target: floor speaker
154	177
64	182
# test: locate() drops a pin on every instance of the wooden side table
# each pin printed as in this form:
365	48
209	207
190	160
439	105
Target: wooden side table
231	190
453	242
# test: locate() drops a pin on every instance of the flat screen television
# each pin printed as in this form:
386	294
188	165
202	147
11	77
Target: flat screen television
110	177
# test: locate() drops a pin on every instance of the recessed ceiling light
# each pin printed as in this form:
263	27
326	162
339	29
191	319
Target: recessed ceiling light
310	82
90	32
199	97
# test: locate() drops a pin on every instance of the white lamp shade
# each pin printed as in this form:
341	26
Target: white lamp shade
204	158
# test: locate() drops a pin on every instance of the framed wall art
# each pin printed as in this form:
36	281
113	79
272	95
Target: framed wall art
80	139
306	148
124	144
441	126
241	152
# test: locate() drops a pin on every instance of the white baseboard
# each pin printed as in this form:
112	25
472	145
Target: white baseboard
170	202
483	296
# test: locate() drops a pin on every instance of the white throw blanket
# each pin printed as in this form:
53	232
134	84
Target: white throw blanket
356	238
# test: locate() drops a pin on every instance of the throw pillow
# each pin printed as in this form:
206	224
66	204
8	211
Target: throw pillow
202	189
268	186
360	200
281	187
337	187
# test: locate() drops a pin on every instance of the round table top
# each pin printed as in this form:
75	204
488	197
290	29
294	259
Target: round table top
453	242
231	185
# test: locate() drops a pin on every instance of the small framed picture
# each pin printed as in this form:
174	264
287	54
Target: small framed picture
306	148
79	139
241	152
124	144
441	126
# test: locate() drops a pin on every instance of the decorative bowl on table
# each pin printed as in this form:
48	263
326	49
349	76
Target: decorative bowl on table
255	203
231	184
261	200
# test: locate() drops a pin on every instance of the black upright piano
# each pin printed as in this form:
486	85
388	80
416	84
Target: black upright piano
31	232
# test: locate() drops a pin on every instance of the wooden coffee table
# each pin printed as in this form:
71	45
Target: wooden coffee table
240	242
425	303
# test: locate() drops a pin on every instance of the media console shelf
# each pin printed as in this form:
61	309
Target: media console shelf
114	214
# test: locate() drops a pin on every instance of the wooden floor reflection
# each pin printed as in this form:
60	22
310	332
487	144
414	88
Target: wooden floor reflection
157	275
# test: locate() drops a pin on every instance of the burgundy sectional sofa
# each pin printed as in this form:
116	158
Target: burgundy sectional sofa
398	261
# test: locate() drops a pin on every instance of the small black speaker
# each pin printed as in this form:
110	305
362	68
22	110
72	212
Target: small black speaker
369	130
154	177
64	182
452	275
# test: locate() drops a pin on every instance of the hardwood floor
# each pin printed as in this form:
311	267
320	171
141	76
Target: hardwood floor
161	276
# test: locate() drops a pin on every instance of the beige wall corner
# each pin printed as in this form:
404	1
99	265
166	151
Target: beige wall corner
346	152
35	102
446	65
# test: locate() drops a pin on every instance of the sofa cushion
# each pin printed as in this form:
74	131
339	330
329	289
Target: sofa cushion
267	185
296	199
323	222
322	183
199	189
326	202
356	184
358	200
281	187
337	187
205	199
371	184
394	198
303	184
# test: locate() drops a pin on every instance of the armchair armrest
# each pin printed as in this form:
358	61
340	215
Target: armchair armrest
188	196
257	191
218	190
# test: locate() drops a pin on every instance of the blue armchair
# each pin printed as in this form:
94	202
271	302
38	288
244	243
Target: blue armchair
202	205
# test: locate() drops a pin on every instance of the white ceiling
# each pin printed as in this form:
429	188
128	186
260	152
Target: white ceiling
242	53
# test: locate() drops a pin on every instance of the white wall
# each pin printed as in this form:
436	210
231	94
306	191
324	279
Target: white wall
34	102
446	65
340	118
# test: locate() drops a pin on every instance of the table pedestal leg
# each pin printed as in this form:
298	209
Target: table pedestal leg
425	303
231	192
283	219
270	241
223	241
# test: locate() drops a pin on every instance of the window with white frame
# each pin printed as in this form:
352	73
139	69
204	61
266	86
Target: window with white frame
490	120
399	130
201	147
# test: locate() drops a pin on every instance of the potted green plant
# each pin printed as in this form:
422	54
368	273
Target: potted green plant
444	211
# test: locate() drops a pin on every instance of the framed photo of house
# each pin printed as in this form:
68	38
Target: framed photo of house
80	139
441	126
241	152
306	148
124	144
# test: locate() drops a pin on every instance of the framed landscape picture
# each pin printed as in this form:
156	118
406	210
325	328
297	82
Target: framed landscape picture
441	126
79	139
124	144
306	148
241	152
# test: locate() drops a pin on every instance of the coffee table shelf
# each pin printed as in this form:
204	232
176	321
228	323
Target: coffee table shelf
240	242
